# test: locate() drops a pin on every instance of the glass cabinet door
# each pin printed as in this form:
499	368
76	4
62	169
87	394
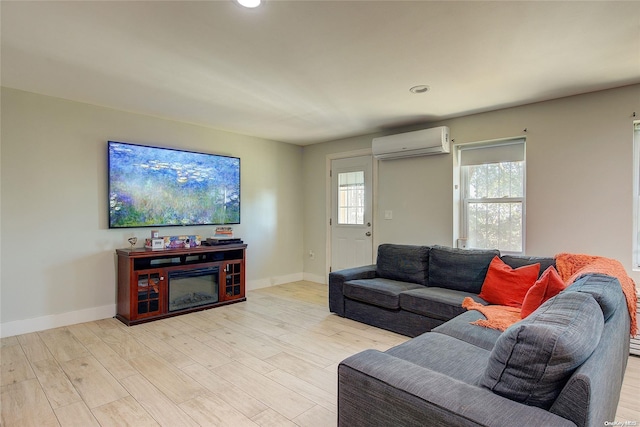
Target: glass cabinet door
233	281
149	291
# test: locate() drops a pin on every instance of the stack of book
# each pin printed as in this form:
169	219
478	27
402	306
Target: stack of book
223	235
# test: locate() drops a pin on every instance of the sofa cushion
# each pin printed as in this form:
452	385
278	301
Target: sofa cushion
606	290
504	285
379	292
515	261
459	269
439	303
427	350
531	361
404	263
460	327
546	287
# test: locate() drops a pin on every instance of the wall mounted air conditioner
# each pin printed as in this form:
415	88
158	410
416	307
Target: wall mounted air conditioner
409	144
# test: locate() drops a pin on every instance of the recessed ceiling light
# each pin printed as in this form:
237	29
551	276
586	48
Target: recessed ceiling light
249	3
419	89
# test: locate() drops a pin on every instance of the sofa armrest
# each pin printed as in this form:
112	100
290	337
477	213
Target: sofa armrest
375	388
336	282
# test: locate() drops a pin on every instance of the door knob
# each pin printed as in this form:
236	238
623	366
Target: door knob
368	233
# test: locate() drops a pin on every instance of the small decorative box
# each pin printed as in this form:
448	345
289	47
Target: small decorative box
181	241
154	243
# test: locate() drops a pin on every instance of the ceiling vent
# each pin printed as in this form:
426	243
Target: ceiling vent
410	144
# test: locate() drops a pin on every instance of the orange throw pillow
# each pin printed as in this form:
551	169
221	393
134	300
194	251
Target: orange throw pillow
504	285
548	286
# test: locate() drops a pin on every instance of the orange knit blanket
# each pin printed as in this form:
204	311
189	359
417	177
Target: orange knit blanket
570	267
573	266
498	317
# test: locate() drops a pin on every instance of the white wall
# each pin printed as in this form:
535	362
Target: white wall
57	255
579	179
58	263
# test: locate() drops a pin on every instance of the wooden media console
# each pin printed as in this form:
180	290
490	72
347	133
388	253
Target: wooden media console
154	284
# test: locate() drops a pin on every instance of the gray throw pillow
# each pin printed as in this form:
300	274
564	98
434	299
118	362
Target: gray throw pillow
532	360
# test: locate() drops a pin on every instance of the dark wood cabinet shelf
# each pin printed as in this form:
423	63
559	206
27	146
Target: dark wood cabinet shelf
154	284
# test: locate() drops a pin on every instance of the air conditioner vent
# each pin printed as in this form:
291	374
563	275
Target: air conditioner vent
409	144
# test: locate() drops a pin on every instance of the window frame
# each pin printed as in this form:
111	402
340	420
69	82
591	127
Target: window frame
464	201
352	192
636	195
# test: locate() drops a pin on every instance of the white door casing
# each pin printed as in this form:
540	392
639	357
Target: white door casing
351	219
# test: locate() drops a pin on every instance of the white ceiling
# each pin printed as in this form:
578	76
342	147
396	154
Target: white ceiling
312	71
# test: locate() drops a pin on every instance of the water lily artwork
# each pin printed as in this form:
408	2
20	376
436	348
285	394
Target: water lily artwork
154	186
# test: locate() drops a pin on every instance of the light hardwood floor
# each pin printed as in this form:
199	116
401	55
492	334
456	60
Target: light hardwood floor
269	361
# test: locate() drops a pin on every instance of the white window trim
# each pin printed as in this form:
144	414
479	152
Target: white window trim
636	196
460	180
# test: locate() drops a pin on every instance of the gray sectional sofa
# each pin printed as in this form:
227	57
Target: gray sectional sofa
412	289
563	365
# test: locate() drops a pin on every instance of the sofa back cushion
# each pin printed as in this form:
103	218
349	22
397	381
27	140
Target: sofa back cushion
533	359
516	261
405	263
606	290
459	269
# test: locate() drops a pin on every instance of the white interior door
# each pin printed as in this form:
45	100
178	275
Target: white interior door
351	212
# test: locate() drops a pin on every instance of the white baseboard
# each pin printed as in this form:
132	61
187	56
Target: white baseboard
19	327
315	278
272	281
36	324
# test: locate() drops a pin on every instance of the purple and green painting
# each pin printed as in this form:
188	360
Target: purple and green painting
154	187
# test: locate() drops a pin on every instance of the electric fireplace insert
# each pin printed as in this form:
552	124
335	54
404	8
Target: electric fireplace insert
193	287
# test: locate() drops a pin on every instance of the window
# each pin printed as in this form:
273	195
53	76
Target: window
636	195
492	181
351	198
